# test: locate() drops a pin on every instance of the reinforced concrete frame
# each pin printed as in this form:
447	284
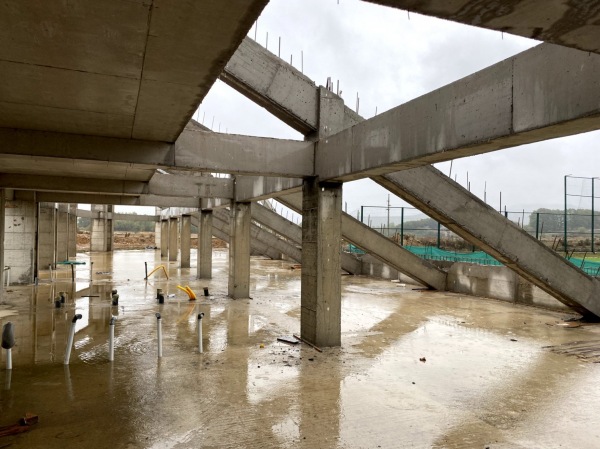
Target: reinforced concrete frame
498	107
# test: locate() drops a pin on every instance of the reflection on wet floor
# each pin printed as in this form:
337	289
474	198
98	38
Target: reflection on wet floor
486	379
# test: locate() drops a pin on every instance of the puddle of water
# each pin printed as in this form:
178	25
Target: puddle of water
477	387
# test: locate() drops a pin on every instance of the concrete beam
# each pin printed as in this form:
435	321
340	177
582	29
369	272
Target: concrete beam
159	185
214	203
293	232
277	245
193	150
542	93
256	188
572	24
277	223
382	248
116	216
117	200
274	85
258	247
189	186
446	201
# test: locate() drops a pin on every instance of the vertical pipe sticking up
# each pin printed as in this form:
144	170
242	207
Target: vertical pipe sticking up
111	339
159	333
8	341
200	315
71	336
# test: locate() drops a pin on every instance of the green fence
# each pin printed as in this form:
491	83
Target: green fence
409	226
481	258
428	239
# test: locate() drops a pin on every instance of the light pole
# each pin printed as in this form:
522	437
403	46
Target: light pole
565	219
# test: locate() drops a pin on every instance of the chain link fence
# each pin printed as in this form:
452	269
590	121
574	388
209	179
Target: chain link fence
574	233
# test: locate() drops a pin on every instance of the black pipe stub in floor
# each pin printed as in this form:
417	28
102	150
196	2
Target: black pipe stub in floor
205	291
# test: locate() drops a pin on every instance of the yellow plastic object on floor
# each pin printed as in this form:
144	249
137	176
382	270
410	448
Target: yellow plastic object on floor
189	292
158	268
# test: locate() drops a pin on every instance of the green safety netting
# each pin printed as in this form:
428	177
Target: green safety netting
479	257
433	253
590	267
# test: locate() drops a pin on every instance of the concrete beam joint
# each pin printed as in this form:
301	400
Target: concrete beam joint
533	96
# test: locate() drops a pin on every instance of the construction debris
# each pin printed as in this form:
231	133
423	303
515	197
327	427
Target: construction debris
288	340
308	343
23	425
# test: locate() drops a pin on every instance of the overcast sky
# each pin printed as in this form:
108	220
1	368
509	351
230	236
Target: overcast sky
389	57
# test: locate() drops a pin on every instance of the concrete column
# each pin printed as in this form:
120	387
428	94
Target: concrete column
205	229
239	251
62	233
321	297
164	238
110	228
46	241
157	236
99	233
72	231
186	240
2	218
173	239
20	239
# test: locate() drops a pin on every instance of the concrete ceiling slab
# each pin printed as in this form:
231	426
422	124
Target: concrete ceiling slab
570	23
129	69
188	46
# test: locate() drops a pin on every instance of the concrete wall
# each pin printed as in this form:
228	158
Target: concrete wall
476	280
19	241
498	283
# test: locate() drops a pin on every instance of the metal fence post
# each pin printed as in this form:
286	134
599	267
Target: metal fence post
593	249
402	227
565	218
537	225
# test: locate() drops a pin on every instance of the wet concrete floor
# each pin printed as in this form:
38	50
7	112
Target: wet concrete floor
487	379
